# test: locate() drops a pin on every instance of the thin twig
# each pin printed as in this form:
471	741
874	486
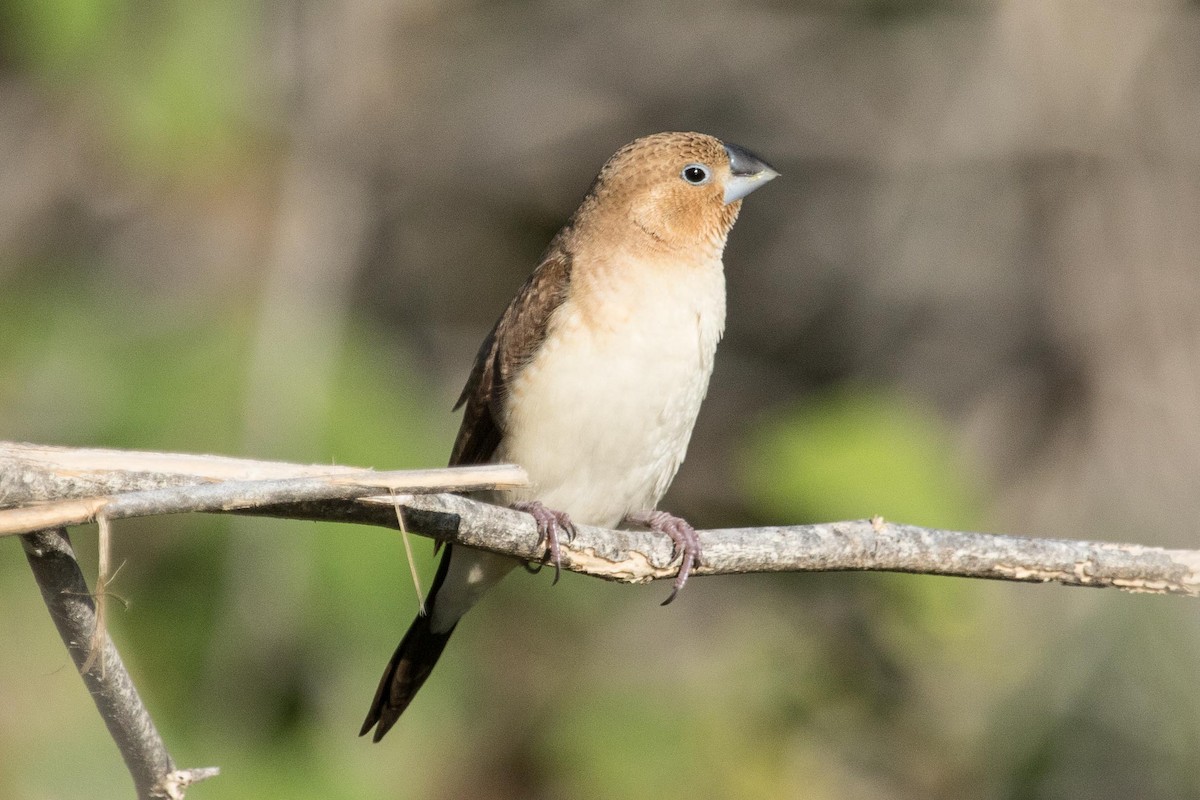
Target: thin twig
408	554
100	630
175	784
70	604
44	473
233	495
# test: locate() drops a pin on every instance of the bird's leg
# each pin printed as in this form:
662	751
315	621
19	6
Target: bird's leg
549	523
685	543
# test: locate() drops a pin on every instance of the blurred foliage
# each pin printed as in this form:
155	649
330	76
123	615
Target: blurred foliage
165	82
857	454
165	383
121	371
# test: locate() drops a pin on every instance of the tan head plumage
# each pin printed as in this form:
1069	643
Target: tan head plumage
680	191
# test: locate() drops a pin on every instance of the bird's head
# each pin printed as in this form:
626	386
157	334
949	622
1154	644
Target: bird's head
681	190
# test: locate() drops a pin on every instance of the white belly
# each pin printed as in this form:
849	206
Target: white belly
602	417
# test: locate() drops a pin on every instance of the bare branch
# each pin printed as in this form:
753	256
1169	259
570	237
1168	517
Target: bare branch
53	487
863	545
41	473
629	556
66	594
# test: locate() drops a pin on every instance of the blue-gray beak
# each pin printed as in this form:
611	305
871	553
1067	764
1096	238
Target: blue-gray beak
748	172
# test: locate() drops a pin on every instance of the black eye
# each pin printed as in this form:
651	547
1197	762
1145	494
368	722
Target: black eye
695	174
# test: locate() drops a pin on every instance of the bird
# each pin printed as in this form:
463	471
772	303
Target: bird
593	376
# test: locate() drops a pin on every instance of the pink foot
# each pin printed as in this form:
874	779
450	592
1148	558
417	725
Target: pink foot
683	536
549	523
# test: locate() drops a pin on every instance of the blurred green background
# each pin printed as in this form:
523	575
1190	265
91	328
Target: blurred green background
280	231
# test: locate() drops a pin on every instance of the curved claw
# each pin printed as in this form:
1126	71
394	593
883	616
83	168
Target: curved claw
549	523
685	544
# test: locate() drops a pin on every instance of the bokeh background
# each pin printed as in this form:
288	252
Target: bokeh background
280	230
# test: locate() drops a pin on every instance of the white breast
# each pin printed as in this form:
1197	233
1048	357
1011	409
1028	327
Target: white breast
602	416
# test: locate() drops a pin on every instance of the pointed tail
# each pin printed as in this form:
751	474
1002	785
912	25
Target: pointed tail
406	672
411	664
455	589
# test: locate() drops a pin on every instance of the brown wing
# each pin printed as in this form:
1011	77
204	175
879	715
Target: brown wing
509	347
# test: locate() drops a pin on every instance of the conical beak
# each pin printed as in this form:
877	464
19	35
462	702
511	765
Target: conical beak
747	173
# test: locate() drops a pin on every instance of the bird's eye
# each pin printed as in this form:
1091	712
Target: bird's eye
695	174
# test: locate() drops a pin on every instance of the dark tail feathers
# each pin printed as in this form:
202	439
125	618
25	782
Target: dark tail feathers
411	664
405	674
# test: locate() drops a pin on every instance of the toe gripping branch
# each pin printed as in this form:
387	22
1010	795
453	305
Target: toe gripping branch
686	544
549	524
